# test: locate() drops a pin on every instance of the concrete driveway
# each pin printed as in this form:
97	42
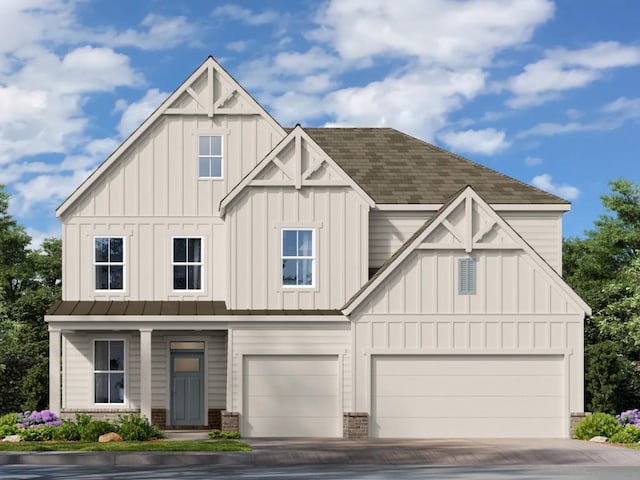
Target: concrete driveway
289	452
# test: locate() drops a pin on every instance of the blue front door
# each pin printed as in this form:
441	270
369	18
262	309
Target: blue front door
187	388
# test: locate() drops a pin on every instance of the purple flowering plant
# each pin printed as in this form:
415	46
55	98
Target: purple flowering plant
35	419
629	417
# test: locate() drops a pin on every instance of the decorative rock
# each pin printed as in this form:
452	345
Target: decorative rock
110	437
12	439
599	439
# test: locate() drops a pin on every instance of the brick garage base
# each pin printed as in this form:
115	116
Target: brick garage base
159	417
230	422
355	425
576	417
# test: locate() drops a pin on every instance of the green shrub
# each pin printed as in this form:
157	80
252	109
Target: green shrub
68	432
597	424
6	430
136	428
628	434
215	433
91	431
9	419
40	434
83	420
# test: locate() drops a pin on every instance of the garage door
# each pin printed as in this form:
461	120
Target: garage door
290	396
468	396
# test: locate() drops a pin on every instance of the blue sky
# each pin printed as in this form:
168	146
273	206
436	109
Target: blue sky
544	91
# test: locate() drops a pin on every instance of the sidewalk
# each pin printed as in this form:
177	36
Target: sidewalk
288	452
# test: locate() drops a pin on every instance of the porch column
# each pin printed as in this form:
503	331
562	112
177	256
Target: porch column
145	372
55	402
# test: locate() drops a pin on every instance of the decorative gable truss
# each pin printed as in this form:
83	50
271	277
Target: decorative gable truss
212	92
297	161
465	224
470	224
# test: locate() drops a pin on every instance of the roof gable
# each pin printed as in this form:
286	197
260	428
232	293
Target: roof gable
465	223
209	91
297	161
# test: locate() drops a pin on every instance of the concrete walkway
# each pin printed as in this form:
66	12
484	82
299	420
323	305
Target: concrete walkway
288	452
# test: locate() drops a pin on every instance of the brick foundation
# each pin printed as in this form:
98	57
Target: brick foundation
576	417
214	418
159	417
355	425
230	421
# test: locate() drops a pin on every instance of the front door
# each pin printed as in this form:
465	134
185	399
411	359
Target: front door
187	388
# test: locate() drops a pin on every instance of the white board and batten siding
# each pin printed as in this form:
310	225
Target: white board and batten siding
339	218
416	320
153	192
313	361
389	229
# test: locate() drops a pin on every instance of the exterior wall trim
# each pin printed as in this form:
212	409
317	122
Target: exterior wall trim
498	207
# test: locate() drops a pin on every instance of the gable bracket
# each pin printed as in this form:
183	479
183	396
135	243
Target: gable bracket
195	96
313	168
298	163
281	166
211	91
222	100
483	231
468	234
447	224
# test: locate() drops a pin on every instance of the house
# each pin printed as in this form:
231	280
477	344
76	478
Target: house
223	271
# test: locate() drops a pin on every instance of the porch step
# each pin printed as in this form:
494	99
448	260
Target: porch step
186	434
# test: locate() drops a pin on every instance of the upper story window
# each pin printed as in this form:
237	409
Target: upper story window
108	371
108	262
298	257
210	156
466	276
187	263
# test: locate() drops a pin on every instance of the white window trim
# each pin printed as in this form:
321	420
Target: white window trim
125	346
201	263
123	263
222	154
312	258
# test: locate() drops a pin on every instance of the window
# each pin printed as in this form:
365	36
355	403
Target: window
298	250
466	276
109	263
210	156
187	263
108	371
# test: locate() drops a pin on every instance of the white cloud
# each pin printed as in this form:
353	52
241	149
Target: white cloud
624	108
238	47
244	15
549	129
157	33
437	32
135	113
417	102
533	161
545	182
563	70
485	142
37	236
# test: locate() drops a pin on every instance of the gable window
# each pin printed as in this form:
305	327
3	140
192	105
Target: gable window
466	276
298	257
210	156
109	263
187	263
108	371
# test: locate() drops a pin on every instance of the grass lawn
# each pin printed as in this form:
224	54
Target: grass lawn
153	446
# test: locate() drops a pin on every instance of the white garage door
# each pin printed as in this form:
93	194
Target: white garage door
468	396
290	396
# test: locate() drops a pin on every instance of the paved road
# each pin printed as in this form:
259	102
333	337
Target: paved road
409	472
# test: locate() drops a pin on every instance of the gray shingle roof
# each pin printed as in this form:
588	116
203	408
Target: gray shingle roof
393	167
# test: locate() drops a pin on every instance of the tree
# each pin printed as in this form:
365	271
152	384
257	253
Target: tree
604	269
30	281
